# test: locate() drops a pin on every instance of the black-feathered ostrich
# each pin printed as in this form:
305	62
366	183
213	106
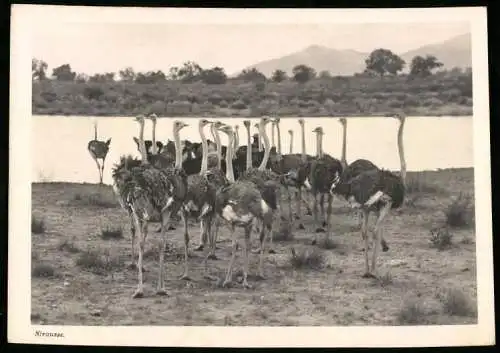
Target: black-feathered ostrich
98	150
240	203
321	175
373	190
152	192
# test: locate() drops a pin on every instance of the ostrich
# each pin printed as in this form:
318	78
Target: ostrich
322	173
373	190
239	204
98	150
150	192
200	199
267	181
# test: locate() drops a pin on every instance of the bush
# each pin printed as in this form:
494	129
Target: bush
456	303
96	263
441	238
307	259
412	312
37	225
112	233
459	213
43	270
94	200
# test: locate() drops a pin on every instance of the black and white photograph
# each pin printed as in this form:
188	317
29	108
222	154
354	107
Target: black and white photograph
250	177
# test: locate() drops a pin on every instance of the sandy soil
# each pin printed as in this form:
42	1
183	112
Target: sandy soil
415	284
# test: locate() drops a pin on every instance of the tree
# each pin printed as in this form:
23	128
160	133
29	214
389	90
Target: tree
150	77
173	73
127	74
38	69
279	76
325	74
106	77
384	61
303	73
190	72
252	75
64	73
214	76
421	66
81	78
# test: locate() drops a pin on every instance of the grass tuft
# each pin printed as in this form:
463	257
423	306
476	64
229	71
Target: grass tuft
96	263
37	225
327	243
285	232
69	246
305	259
94	199
441	238
459	213
43	270
457	303
412	313
111	232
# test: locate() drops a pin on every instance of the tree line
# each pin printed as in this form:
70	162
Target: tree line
380	62
190	90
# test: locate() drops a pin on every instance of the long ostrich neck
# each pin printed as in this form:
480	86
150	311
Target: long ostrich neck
236	140
278	135
259	136
142	145
219	147
249	149
178	149
204	147
273	144
291	141
267	151
229	158
303	133
401	149
318	144
321	145
153	147
95	131
344	143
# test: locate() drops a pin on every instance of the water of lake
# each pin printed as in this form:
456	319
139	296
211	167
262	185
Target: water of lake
59	143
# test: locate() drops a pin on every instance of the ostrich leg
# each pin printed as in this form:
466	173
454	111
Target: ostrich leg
299	209
364	235
377	232
185	275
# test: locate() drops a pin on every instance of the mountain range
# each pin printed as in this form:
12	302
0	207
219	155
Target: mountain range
453	52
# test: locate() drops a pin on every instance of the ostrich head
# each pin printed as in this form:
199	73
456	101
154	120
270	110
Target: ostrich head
153	117
140	118
343	121
218	124
179	125
204	122
246	123
400	116
264	121
290	132
277	120
319	130
228	130
301	122
236	127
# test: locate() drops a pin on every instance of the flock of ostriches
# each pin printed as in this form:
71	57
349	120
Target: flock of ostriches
242	187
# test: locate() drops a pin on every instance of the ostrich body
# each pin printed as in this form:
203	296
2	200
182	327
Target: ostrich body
152	192
321	175
98	151
240	203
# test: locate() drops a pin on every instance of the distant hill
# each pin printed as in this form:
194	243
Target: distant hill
454	52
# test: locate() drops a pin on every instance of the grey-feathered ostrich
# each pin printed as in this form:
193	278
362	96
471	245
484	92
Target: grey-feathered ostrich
372	190
322	172
152	192
239	204
98	150
268	182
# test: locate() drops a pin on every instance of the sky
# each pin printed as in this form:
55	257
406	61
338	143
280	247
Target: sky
108	47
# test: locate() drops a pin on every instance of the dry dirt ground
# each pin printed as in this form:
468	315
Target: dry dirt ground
80	278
